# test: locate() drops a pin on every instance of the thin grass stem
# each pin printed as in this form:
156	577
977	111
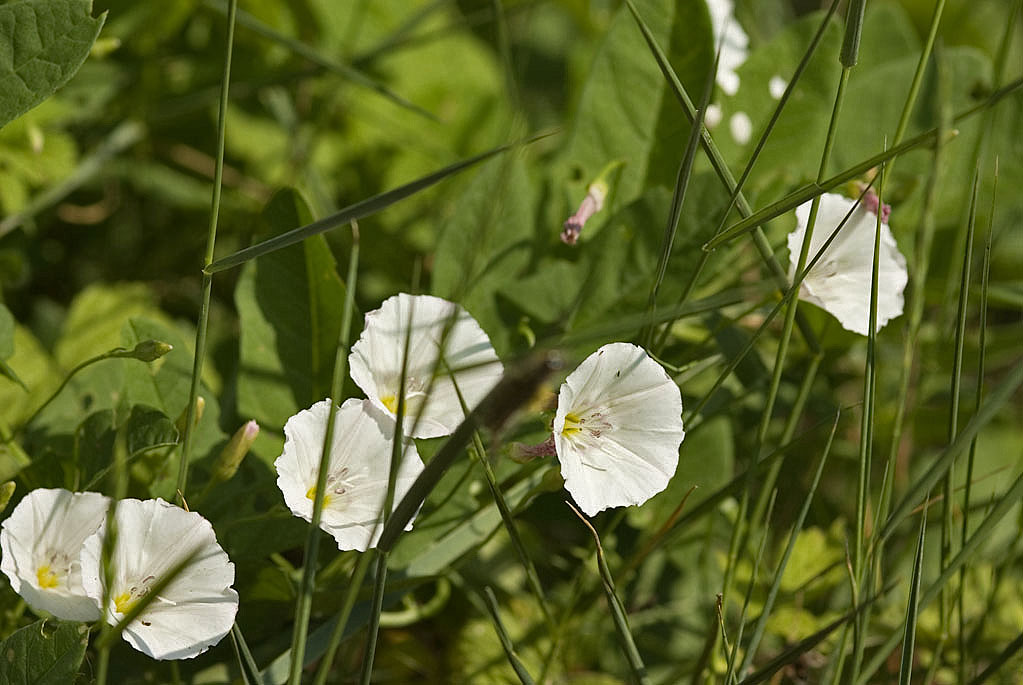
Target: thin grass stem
506	641
211	242
307	586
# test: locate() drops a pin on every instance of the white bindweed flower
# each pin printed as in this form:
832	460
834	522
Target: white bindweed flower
376	362
360	462
741	127
776	87
840	282
618	428
195	610
41	542
732	41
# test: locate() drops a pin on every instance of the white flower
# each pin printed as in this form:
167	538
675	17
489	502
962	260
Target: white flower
618	428
776	87
376	361
733	42
360	462
840	282
741	127
41	542
195	610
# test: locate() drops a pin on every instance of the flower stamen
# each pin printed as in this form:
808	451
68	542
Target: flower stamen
47	578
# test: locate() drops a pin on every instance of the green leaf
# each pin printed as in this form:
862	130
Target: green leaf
486	243
622	112
289	303
47	652
7	346
42	45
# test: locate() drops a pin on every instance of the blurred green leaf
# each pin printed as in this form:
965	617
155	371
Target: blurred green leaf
42	45
48	652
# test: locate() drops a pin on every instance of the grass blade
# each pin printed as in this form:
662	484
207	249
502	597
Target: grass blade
754	219
357	211
618	615
502	634
912	608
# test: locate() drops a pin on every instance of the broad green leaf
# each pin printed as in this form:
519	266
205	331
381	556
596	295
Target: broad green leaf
620	114
42	45
7	345
48	652
289	304
486	243
36	368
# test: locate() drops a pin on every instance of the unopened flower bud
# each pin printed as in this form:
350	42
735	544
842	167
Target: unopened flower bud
6	491
234	451
200	405
872	202
150	350
591	204
522	453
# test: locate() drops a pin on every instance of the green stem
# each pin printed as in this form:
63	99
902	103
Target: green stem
303	607
211	241
336	635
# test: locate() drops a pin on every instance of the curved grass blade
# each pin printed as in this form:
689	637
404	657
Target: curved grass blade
360	209
621	622
502	634
912	608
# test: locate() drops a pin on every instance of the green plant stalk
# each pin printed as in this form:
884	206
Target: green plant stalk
246	664
790	317
678	198
860	548
304	602
966	554
106	556
772	593
996	664
506	642
979	396
922	485
211	241
799	196
737	642
918	291
748	169
336	635
918	75
983	141
909	636
809	376
618	615
397	452
760	242
948	501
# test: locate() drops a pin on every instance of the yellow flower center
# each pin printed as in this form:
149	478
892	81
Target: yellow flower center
311	496
391	402
124	602
46	577
571	427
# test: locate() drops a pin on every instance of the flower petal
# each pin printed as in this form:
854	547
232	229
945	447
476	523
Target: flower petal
617	429
840	282
360	459
41	542
376	361
196	609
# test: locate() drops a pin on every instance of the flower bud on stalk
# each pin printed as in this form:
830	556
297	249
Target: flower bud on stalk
231	456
